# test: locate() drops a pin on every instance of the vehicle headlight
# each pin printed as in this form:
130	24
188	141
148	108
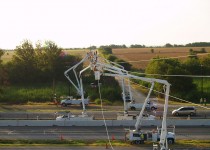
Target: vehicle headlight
173	111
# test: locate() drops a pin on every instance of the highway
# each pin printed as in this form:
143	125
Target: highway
72	148
109	114
90	133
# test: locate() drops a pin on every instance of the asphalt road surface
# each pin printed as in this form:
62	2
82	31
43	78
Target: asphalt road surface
89	133
109	114
74	148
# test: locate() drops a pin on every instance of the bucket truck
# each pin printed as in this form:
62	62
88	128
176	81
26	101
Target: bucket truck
79	87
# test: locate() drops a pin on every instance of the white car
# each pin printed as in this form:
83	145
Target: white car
190	110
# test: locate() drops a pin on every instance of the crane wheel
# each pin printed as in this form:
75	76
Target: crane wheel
64	105
152	108
133	108
192	114
170	141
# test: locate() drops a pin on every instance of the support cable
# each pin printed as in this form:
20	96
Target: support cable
171	75
102	112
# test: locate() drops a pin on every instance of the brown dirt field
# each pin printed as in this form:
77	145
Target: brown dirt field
139	57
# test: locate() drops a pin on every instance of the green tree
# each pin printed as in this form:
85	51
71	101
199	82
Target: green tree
127	66
92	47
137	46
168	45
1	54
192	54
23	66
49	59
3	73
111	57
105	50
205	61
180	85
203	50
192	65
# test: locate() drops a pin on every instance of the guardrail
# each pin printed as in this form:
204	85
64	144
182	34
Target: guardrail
170	122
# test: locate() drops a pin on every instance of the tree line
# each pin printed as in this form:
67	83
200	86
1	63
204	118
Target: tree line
36	73
182	86
115	46
42	63
195	44
46	62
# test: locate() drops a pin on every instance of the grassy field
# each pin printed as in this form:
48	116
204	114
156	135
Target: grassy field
190	144
7	56
143	55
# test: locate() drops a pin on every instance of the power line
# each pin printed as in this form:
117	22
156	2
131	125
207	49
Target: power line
177	75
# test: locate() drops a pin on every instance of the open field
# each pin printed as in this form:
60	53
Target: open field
138	57
7	56
143	55
81	52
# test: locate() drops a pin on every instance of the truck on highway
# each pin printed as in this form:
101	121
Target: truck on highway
137	138
71	101
70	117
136	106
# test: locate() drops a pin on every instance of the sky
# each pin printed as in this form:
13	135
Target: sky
84	23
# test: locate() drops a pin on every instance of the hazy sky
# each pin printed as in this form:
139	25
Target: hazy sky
81	23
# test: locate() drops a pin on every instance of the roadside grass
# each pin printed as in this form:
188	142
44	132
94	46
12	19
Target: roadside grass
50	107
192	143
62	142
178	144
39	92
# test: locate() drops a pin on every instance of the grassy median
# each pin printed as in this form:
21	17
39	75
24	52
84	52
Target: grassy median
199	144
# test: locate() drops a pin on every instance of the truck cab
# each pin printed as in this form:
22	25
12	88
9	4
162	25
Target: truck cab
135	137
138	137
71	101
137	106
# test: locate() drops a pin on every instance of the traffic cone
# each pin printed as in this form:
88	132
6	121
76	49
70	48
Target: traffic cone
113	138
61	137
106	146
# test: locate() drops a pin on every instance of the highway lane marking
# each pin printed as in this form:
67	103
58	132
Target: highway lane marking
10	132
